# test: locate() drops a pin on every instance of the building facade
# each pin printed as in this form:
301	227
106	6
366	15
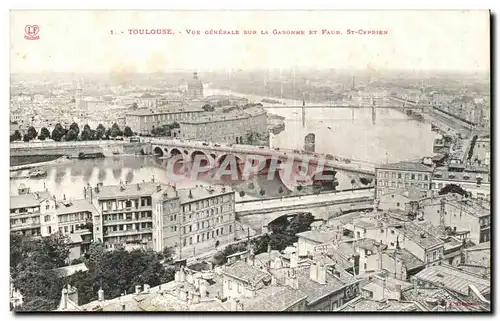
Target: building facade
230	128
195	87
143	120
399	177
156	216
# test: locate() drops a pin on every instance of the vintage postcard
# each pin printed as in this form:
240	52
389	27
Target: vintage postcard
333	161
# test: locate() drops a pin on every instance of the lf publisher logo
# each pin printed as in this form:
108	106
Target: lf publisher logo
31	32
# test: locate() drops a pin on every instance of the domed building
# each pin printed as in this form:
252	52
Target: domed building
195	87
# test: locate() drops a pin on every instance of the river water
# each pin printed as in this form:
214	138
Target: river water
357	133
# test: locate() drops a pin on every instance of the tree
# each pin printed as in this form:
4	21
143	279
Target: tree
135	106
45	132
17	135
26	138
100	132
208	107
242	193
127	131
75	128
115	131
87	133
71	135
58	132
32	133
453	188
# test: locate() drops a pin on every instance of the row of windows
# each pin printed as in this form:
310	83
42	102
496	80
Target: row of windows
205	236
67	228
407	176
128	227
123	204
30	220
393	184
69	217
203	224
200	215
205	203
127	216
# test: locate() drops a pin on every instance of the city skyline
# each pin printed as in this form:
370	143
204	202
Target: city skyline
416	40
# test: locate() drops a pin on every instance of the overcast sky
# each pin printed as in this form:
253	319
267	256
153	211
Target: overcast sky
81	41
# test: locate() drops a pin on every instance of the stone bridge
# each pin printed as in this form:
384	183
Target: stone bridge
259	213
73	149
306	166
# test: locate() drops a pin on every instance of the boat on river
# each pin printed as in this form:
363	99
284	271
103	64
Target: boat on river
28	174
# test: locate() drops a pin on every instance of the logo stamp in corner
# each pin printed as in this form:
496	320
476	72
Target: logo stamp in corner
31	32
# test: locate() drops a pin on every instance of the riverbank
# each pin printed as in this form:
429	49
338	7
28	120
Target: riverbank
29	162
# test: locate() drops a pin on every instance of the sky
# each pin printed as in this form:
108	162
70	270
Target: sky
81	41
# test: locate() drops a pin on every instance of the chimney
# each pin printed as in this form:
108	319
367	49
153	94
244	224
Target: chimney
232	304
146	288
138	186
64	298
158	188
100	295
294	260
73	294
137	289
291	279
313	272
321	274
190	194
183	294
64	197
196	298
203	289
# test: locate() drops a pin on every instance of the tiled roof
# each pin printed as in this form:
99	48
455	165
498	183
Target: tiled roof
319	236
420	236
71	269
75	206
410	260
199	193
361	304
313	289
453	279
273	298
245	272
129	190
28	200
406	166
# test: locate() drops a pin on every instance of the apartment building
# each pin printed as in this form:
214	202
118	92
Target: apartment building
475	181
154	215
231	128
401	176
460	214
143	120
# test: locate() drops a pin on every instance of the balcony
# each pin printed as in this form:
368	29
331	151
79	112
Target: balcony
126	221
128	232
128	209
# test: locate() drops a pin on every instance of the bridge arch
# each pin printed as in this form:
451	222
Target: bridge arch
175	152
157	151
325	180
206	160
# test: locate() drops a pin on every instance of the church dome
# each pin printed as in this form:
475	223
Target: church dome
195	83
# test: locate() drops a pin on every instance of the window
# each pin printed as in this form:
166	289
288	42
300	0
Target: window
412	176
239	288
47	218
399	175
230	228
230	285
397	204
392	232
381	230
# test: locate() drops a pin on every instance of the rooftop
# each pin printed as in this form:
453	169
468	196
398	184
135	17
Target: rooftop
454	279
28	200
406	166
129	190
410	260
319	236
245	272
273	298
420	236
70	270
201	192
74	206
361	304
313	289
430	298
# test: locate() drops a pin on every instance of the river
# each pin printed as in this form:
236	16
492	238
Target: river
353	133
